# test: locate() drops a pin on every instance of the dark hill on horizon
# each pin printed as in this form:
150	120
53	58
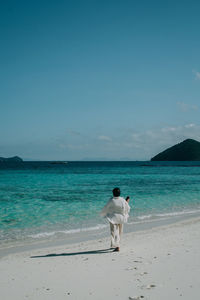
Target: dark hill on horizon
11	159
188	150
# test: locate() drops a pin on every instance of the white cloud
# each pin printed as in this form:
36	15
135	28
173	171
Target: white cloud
104	138
132	144
190	125
197	75
169	129
187	107
153	141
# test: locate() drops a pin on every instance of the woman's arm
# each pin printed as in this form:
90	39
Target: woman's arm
105	209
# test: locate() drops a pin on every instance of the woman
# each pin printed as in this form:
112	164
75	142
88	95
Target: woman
116	211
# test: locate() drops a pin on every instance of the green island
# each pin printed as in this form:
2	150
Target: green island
188	150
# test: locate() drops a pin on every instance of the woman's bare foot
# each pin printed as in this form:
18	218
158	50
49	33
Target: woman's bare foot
116	249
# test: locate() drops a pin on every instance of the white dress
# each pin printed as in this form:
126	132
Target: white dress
116	210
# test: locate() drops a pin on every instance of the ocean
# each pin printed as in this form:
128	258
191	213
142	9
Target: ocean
47	201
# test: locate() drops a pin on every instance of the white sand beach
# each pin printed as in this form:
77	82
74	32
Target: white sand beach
157	264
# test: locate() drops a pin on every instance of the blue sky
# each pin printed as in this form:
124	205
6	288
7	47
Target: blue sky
98	79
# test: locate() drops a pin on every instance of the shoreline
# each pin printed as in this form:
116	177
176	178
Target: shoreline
159	263
87	236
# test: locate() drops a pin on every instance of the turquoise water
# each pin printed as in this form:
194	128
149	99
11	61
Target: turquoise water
44	200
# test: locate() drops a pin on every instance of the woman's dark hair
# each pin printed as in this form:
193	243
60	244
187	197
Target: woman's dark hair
116	192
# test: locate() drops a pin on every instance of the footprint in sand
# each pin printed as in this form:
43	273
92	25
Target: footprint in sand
148	287
136	298
143	273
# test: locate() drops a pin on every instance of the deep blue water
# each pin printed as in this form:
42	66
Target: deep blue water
39	199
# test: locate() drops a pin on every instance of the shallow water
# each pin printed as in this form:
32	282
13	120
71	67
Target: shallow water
40	199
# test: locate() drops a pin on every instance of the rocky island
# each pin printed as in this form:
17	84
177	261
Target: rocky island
188	150
11	159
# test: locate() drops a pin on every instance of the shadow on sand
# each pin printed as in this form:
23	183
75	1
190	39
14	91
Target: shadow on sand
101	251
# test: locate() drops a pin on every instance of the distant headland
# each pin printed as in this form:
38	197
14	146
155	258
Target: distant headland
188	150
11	159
